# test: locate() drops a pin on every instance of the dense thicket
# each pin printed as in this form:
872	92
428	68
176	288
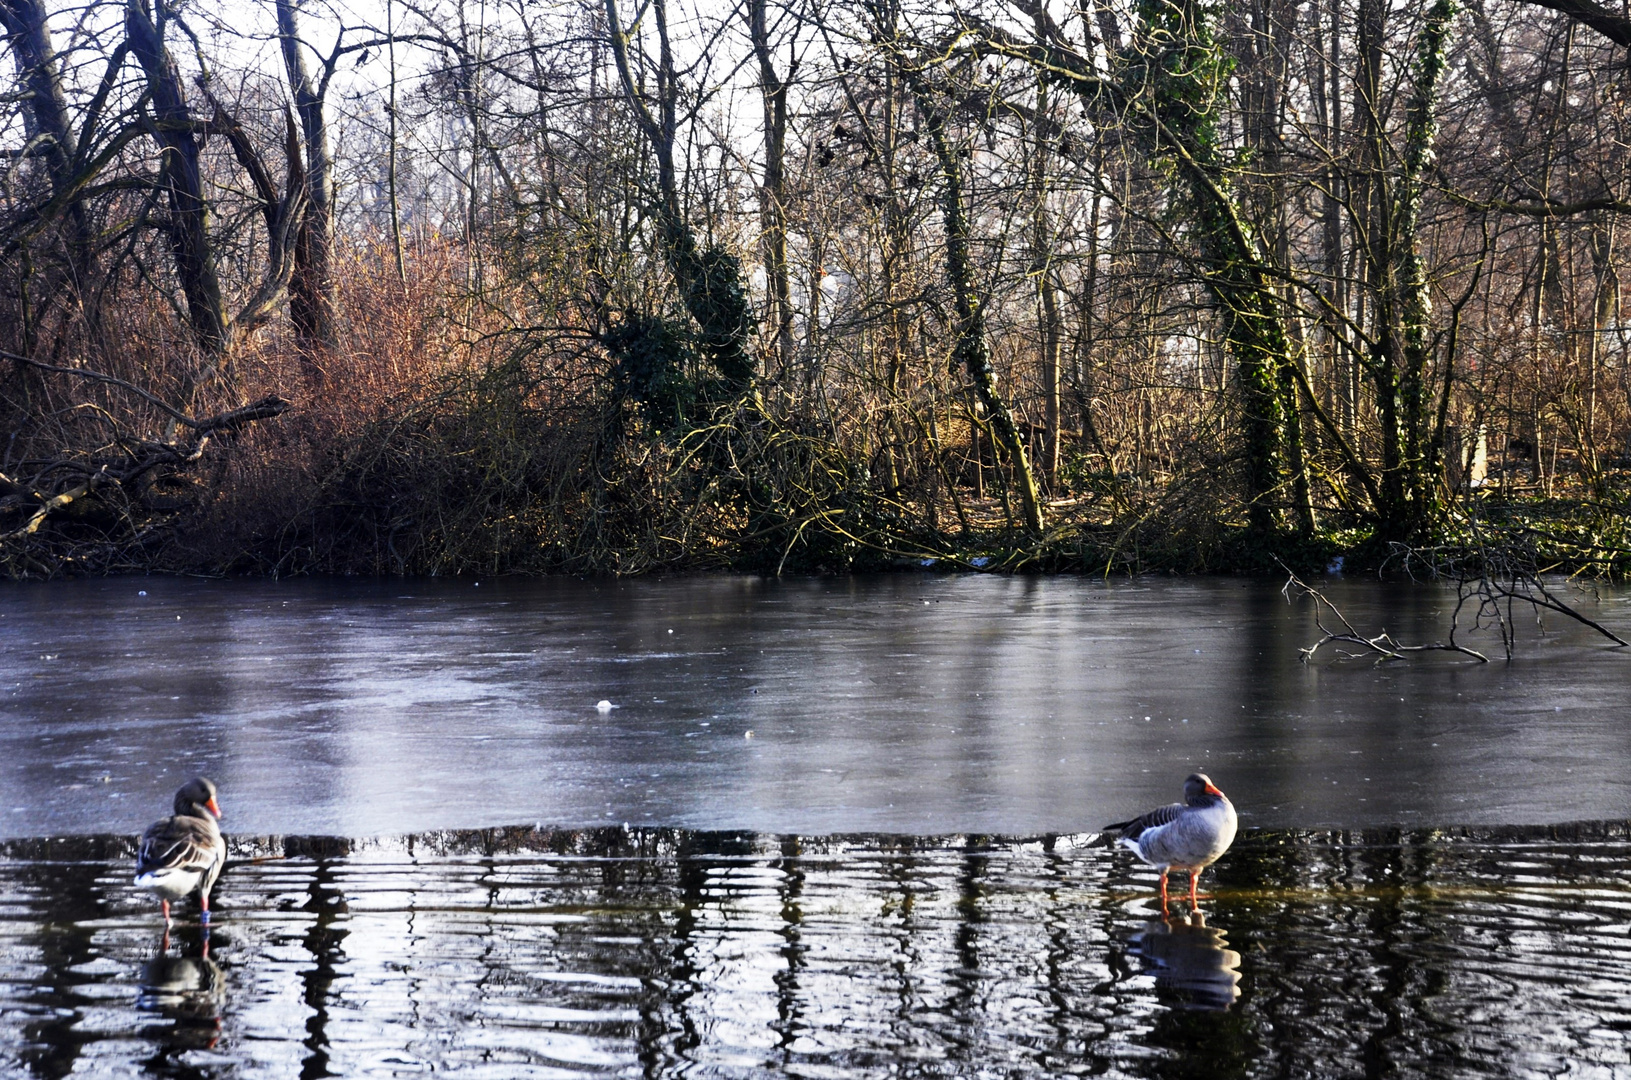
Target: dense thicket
448	286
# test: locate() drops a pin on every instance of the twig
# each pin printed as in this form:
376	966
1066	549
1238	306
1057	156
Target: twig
264	409
1383	644
1498	575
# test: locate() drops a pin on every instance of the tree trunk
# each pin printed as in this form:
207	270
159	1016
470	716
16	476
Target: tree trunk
1268	46
972	349
390	166
1184	116
1421	454
176	132
312	300
1374	200
1177	112
46	119
1047	295
772	195
709	279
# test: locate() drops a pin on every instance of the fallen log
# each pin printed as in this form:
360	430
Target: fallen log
100	495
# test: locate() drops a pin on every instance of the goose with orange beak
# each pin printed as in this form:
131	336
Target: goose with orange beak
1189	836
184	854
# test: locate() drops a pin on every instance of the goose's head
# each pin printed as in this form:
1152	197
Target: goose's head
197	799
1200	791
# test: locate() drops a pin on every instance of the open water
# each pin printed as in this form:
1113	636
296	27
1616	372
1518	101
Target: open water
1471	953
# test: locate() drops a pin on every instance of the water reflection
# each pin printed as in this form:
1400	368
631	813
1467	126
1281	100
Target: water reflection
187	990
327	929
518	953
1191	961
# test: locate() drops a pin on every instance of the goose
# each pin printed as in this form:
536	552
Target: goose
183	854
1190	835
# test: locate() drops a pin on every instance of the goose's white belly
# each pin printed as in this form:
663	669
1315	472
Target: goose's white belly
172	883
1194	840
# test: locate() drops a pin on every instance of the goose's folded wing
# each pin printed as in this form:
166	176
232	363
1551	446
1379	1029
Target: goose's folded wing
167	846
1162	815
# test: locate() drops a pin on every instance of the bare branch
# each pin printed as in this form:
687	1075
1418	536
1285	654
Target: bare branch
264	409
1383	645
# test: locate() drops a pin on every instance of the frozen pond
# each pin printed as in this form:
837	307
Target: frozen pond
918	704
817	778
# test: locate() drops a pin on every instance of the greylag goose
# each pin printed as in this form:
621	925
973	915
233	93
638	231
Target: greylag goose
183	854
1190	835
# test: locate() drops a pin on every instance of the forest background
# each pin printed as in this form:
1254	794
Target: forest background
498	286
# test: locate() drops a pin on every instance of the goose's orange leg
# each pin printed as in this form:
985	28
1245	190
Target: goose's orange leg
1163	890
1194	876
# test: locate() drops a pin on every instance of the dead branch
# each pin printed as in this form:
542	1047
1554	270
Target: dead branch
264	409
105	495
1383	645
1497	575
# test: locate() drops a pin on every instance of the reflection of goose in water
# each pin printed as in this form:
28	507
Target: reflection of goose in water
1192	965
187	990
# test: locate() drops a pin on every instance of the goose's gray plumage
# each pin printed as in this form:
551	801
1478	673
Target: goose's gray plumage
183	854
1188	836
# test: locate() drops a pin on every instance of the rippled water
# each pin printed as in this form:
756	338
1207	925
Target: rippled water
917	703
1500	953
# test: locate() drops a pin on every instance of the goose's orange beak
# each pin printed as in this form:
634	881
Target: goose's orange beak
213	807
1210	790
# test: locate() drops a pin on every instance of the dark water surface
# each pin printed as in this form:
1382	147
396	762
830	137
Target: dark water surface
919	704
1470	953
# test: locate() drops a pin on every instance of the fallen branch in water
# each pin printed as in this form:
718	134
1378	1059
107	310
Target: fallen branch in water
1383	645
1498	576
1530	589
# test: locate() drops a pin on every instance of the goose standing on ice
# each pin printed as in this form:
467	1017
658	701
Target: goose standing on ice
182	855
1190	835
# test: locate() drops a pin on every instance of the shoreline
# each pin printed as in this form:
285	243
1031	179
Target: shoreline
660	843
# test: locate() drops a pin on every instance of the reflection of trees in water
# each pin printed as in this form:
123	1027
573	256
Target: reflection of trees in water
326	903
56	1041
966	1007
1422	954
493	959
184	988
1366	954
965	951
1385	927
1342	976
900	993
1076	935
789	1010
676	1011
